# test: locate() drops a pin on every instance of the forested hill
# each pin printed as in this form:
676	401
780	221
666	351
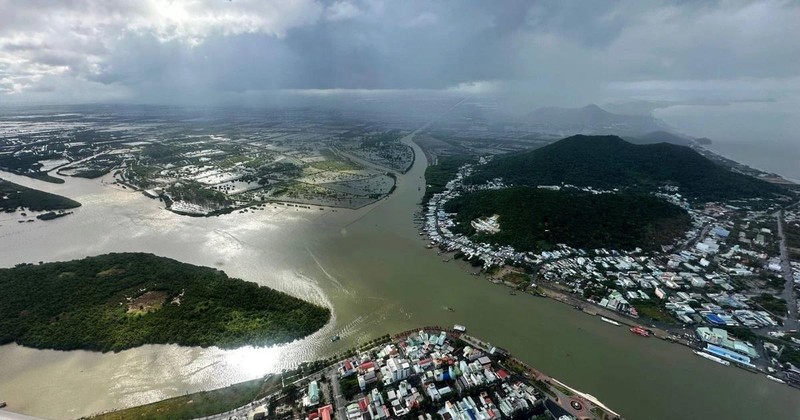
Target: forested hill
610	162
534	219
117	301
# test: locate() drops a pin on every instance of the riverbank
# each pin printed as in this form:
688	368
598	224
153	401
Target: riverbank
369	266
279	395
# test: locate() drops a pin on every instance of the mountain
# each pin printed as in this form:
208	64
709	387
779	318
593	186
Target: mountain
610	162
593	118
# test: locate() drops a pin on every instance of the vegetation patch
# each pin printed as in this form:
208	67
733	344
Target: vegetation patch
437	176
88	304
770	303
14	196
147	302
653	310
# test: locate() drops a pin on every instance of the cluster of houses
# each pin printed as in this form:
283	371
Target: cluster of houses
431	371
708	277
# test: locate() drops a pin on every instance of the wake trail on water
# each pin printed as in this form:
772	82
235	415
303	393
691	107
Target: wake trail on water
328	275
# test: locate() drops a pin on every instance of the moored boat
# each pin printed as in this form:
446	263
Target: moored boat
640	331
778	380
610	321
459	328
712	357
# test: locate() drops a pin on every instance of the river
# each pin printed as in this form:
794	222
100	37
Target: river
372	268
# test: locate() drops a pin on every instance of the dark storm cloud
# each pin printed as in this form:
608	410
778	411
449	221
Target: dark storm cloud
572	51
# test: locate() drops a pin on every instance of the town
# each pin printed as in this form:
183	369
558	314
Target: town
427	373
729	278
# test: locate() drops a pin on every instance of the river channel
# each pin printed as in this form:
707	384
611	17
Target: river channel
372	268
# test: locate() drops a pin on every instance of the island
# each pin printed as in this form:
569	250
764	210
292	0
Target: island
14	196
117	301
429	372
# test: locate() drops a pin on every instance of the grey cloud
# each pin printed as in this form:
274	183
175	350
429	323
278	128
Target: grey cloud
554	50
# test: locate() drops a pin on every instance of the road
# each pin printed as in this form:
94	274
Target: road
789	295
338	400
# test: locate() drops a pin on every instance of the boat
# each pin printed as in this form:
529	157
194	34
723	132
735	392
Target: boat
640	331
460	328
513	293
610	321
335	338
712	358
449	309
772	378
2	404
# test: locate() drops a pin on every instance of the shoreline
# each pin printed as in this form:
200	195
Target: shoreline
554	390
665	333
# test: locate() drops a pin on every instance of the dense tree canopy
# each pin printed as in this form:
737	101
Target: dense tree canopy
13	196
437	176
535	219
84	304
610	162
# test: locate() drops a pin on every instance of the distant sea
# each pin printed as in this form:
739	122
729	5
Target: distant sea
765	136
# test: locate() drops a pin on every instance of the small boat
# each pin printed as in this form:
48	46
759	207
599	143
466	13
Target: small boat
459	328
512	293
335	338
772	378
449	309
610	321
640	331
712	357
2	404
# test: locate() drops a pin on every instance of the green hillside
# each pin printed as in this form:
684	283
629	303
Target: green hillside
610	162
117	301
534	219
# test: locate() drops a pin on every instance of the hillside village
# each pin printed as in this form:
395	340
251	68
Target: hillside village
725	274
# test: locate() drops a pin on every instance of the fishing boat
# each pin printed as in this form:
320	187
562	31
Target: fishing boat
610	321
640	331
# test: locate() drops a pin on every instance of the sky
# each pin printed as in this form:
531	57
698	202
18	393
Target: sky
557	52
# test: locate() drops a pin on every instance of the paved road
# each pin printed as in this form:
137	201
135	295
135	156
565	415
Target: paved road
338	399
786	268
